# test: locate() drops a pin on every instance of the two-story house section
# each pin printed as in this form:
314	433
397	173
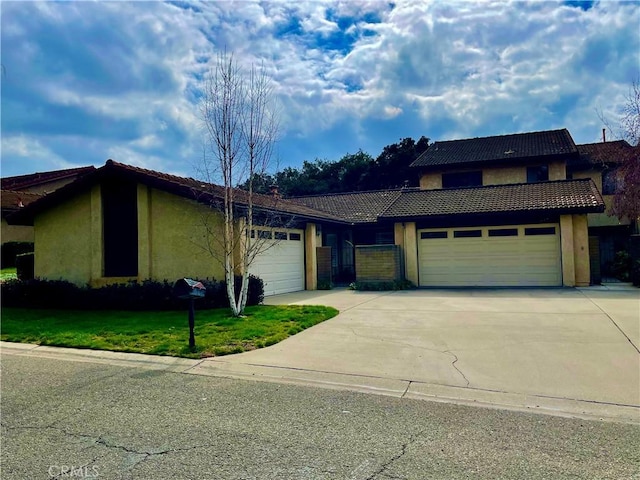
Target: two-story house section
608	234
531	232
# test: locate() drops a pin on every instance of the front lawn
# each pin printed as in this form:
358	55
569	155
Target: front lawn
8	274
161	333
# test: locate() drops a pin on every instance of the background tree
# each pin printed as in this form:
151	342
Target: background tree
352	173
240	123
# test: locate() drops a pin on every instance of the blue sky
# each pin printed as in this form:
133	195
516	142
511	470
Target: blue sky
83	82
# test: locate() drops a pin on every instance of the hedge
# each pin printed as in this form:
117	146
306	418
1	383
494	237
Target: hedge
147	295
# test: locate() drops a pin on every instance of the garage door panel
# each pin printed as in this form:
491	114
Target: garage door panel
502	259
281	265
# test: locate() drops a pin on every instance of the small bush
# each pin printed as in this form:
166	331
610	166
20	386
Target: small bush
147	295
10	250
621	266
382	286
25	266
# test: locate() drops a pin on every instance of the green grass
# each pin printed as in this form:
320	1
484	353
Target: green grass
161	333
8	274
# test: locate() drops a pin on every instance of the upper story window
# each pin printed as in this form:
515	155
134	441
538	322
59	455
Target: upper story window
609	182
462	179
539	173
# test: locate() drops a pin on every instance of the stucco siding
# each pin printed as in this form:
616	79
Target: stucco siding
558	171
600	219
16	233
177	238
581	250
504	175
63	241
431	181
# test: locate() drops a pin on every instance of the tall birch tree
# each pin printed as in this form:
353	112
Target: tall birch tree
240	120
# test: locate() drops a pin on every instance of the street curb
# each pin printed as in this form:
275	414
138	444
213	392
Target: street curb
398	388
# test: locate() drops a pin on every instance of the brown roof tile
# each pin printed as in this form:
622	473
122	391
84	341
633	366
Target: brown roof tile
21	182
602	153
182	186
356	207
12	201
497	148
560	196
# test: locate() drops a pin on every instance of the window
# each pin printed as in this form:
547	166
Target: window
540	231
120	228
294	236
430	235
467	233
504	232
462	179
264	234
280	235
609	182
539	173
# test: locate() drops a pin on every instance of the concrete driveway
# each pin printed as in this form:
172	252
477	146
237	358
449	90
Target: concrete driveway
570	350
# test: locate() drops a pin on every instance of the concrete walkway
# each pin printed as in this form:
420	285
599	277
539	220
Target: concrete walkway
561	351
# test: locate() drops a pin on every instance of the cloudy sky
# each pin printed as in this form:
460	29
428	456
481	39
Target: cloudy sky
84	82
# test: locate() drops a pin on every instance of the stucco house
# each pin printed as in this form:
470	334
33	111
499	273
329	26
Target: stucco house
494	211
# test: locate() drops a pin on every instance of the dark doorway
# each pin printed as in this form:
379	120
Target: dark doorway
120	228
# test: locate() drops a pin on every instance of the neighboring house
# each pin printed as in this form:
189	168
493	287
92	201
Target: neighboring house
19	191
607	234
496	211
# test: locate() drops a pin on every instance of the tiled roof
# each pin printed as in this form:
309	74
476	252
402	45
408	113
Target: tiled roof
21	182
356	207
576	196
602	153
182	186
497	148
12	201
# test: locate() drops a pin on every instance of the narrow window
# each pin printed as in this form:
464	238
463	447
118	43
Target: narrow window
539	173
504	232
264	234
294	236
540	231
430	235
609	182
280	235
120	228
467	233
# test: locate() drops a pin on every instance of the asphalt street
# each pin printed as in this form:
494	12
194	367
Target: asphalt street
66	419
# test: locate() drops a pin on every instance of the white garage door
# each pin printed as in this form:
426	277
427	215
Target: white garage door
510	255
281	265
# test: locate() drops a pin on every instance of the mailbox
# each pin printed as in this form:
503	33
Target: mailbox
186	289
191	290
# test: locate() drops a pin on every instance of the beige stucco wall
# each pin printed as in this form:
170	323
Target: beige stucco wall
63	241
581	250
600	219
499	175
311	242
172	237
15	233
405	237
566	245
431	181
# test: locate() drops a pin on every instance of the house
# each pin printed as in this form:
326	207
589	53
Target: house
494	211
21	190
607	234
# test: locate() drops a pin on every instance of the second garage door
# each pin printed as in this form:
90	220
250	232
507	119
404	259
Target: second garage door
281	265
510	255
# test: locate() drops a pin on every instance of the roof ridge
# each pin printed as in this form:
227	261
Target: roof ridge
501	136
396	189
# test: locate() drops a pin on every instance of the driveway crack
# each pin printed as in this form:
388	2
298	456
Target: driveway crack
453	364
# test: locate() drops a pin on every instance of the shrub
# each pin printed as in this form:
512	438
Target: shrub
621	266
325	285
147	295
25	266
10	250
382	286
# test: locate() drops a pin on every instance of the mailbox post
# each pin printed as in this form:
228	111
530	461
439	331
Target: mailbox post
191	290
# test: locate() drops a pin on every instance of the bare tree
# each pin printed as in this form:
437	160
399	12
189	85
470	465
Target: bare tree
626	202
241	126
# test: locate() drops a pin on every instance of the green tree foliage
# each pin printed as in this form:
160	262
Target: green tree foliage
352	173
